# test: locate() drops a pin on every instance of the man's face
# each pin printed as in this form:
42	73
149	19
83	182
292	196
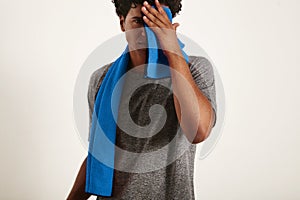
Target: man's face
133	25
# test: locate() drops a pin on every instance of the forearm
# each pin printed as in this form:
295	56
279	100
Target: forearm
193	109
78	189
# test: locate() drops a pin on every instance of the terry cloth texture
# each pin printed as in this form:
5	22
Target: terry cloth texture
175	179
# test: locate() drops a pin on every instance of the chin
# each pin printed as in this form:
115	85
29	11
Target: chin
141	50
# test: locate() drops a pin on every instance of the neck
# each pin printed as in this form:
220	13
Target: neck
137	58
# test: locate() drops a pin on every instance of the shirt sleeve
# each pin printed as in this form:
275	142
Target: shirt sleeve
203	74
93	87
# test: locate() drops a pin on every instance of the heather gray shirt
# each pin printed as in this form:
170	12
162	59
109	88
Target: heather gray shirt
162	163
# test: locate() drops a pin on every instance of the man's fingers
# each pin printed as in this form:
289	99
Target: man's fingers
153	14
161	10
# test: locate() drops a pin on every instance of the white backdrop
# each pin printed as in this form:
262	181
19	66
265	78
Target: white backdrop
254	45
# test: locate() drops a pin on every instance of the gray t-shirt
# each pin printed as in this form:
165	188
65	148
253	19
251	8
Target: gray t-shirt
153	158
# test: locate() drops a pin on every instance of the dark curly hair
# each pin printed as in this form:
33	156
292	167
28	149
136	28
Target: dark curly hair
123	6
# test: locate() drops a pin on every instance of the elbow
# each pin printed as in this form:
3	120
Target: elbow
203	135
200	137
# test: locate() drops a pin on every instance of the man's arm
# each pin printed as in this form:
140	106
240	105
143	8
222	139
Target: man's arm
196	123
193	109
78	190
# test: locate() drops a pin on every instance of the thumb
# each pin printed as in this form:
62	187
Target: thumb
175	25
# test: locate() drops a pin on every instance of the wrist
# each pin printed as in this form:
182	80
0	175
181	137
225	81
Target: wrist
173	54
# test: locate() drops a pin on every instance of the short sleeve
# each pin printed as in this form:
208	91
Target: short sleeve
203	74
93	87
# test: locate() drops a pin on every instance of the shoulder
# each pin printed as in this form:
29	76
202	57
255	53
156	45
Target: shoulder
200	63
201	69
98	75
95	81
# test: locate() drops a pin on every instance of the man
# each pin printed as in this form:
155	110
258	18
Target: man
190	109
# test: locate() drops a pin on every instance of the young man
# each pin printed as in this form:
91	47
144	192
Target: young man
190	110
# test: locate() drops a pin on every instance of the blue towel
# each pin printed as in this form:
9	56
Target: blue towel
156	57
100	161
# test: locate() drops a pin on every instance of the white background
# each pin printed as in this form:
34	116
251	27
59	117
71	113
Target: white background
254	45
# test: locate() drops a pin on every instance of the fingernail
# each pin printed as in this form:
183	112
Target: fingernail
145	3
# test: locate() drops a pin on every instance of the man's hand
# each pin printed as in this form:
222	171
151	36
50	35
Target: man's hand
159	22
78	189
